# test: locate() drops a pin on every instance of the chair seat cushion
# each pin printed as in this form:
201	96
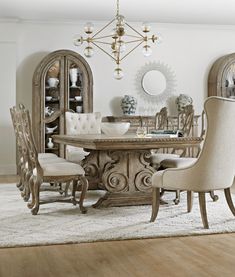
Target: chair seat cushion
61	169
51	160
177	162
46	155
75	154
158	157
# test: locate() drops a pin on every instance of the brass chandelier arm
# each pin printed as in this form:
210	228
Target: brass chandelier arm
132	50
134	29
97	38
132	36
137	40
103	28
102	42
104	51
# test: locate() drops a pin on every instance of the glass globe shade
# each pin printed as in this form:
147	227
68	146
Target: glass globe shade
120	20
78	40
147	51
88	51
118	73
89	27
115	53
159	38
121	46
146	27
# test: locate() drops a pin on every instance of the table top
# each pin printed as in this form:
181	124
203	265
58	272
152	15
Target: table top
125	142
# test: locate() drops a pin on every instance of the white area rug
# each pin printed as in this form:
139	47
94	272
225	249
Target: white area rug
59	223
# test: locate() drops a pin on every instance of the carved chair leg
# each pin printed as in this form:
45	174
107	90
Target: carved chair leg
177	197
19	185
31	187
66	188
202	204
189	201
213	196
74	188
155	203
84	184
229	200
27	187
37	186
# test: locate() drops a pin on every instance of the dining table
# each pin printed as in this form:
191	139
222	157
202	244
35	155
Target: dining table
120	165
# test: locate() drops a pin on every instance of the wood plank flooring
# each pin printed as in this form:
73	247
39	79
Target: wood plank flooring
211	255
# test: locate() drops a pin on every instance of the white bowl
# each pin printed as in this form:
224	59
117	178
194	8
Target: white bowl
78	98
48	98
113	129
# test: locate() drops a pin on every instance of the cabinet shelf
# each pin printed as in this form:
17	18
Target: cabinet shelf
52	101
76	101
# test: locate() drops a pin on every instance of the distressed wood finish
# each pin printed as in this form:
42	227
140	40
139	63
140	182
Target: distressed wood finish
121	165
65	59
219	75
151	122
32	175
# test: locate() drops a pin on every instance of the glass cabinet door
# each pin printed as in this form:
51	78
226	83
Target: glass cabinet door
228	90
52	105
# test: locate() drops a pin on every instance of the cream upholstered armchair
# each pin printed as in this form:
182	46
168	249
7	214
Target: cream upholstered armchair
214	168
77	124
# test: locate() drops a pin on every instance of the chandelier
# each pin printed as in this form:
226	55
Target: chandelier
121	40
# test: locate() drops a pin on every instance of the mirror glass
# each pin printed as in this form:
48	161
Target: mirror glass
154	82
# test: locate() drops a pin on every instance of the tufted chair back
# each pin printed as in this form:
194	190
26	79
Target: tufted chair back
78	124
83	123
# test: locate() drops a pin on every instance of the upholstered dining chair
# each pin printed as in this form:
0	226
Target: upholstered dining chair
22	164
214	168
40	170
184	124
161	119
77	124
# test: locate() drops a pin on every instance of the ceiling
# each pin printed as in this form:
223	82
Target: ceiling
162	11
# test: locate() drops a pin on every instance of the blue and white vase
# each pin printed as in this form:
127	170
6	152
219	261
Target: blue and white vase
128	105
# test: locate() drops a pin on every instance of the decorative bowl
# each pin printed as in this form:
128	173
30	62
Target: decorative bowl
50	130
48	98
113	129
78	98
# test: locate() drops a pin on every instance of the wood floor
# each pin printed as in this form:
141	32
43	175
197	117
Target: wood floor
212	255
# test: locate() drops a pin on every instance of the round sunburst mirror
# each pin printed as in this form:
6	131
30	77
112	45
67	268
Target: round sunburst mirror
155	82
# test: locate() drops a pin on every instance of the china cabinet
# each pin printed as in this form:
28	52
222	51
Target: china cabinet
62	81
221	80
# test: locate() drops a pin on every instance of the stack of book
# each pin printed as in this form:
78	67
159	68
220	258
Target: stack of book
165	133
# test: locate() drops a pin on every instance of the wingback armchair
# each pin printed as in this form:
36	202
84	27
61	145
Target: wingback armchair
214	168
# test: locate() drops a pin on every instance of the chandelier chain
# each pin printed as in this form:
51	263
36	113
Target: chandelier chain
117	7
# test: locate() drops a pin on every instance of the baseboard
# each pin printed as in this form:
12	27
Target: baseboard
7	169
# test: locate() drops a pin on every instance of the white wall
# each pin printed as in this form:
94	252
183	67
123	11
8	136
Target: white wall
8	99
189	50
